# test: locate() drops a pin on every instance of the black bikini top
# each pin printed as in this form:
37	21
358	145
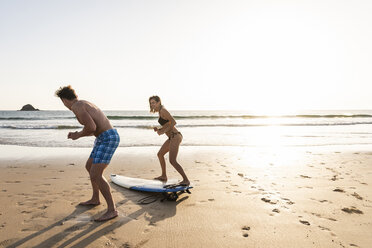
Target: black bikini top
162	121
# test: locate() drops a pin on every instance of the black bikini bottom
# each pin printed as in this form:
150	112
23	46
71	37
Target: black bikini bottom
174	134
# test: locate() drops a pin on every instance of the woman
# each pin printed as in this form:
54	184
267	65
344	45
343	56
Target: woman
173	142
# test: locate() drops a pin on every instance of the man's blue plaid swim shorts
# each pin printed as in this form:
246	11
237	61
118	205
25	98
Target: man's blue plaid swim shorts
105	146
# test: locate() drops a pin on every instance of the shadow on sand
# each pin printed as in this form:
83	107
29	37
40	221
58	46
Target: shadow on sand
87	231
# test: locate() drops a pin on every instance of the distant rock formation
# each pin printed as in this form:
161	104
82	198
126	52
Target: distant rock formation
28	107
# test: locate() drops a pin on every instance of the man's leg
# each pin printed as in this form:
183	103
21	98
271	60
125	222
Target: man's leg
94	201
96	175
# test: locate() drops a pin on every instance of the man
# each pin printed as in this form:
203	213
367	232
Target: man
107	140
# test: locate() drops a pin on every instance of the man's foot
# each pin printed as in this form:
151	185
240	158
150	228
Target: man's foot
107	216
161	178
184	183
89	203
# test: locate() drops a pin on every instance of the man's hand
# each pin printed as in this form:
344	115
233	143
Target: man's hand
73	135
156	129
159	132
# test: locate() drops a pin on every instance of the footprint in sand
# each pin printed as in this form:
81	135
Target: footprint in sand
334	178
12	181
354	245
288	201
39	215
357	196
362	183
250	180
305	222
324	228
352	210
339	190
271	201
126	245
246	229
320	216
7	242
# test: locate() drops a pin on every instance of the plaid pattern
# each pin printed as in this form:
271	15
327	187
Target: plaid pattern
105	146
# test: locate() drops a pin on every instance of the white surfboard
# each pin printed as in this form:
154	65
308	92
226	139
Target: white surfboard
147	185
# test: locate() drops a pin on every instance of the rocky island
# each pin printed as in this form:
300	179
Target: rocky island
28	107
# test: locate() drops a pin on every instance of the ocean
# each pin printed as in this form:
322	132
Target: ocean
199	128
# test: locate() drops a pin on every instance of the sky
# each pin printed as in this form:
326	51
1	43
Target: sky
255	55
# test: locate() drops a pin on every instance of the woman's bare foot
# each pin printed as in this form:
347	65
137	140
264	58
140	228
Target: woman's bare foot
107	216
90	203
161	178
184	183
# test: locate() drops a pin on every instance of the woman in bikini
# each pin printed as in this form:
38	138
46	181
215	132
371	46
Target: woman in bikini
173	142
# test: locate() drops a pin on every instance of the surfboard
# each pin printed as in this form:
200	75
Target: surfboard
148	185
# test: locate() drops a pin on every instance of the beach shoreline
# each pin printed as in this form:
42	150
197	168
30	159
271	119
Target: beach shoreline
242	197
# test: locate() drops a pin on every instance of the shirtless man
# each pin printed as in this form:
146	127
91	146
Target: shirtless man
107	140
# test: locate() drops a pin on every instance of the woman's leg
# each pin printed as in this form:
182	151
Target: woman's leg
163	150
173	152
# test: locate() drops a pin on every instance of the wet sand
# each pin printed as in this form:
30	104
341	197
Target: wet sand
242	197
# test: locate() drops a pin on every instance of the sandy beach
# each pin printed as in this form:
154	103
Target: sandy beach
242	197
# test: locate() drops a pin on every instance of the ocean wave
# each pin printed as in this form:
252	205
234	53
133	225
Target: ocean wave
242	116
67	127
35	118
125	145
39	127
196	117
279	124
135	117
192	125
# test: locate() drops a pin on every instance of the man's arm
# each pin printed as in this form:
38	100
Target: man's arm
86	120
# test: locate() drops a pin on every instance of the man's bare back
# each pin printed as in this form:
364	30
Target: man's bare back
86	112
